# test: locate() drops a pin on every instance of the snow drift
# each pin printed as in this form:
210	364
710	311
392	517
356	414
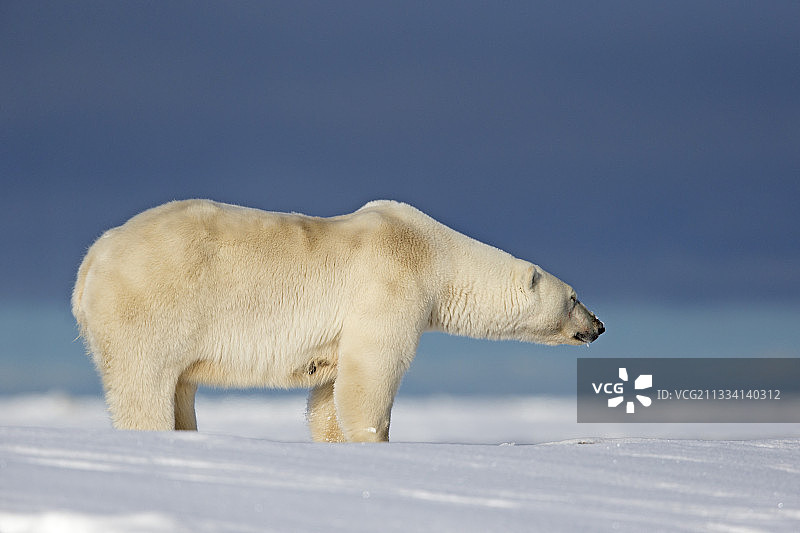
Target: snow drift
88	478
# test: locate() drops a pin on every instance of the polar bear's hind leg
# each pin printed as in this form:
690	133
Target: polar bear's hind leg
140	396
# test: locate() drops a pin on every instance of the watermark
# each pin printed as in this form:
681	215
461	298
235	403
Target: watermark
689	390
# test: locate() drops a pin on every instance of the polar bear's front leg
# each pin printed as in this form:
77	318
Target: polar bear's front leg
321	413
368	376
184	406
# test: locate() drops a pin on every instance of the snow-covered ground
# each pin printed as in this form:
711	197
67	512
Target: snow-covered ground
455	464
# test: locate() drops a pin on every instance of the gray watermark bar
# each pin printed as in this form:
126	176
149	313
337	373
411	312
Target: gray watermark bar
689	390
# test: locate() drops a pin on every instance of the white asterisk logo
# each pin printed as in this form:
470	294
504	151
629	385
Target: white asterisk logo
644	381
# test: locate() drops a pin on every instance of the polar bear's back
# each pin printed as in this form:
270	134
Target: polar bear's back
221	224
220	227
200	255
191	243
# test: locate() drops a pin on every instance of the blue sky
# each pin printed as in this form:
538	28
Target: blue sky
637	150
647	153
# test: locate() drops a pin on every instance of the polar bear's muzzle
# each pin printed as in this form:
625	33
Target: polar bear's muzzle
597	329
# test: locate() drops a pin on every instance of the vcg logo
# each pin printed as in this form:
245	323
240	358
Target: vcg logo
644	381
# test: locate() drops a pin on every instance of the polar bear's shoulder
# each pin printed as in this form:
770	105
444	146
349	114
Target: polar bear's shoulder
386	205
398	231
392	209
376	203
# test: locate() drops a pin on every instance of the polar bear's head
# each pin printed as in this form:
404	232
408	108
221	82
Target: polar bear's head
549	312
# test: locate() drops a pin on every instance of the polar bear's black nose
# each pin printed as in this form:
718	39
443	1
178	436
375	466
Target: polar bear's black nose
599	325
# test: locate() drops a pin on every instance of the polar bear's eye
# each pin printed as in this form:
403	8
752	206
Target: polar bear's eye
574	300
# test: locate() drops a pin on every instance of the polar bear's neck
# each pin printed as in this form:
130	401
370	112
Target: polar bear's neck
477	295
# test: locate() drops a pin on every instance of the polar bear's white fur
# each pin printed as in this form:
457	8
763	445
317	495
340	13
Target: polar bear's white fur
198	292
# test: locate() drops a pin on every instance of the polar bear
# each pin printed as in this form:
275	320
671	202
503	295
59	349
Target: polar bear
200	292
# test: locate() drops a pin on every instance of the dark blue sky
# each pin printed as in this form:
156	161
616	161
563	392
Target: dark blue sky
638	150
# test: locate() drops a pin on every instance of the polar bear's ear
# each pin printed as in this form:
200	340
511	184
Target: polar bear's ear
534	275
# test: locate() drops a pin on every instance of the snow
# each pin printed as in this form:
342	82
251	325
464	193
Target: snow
452	466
